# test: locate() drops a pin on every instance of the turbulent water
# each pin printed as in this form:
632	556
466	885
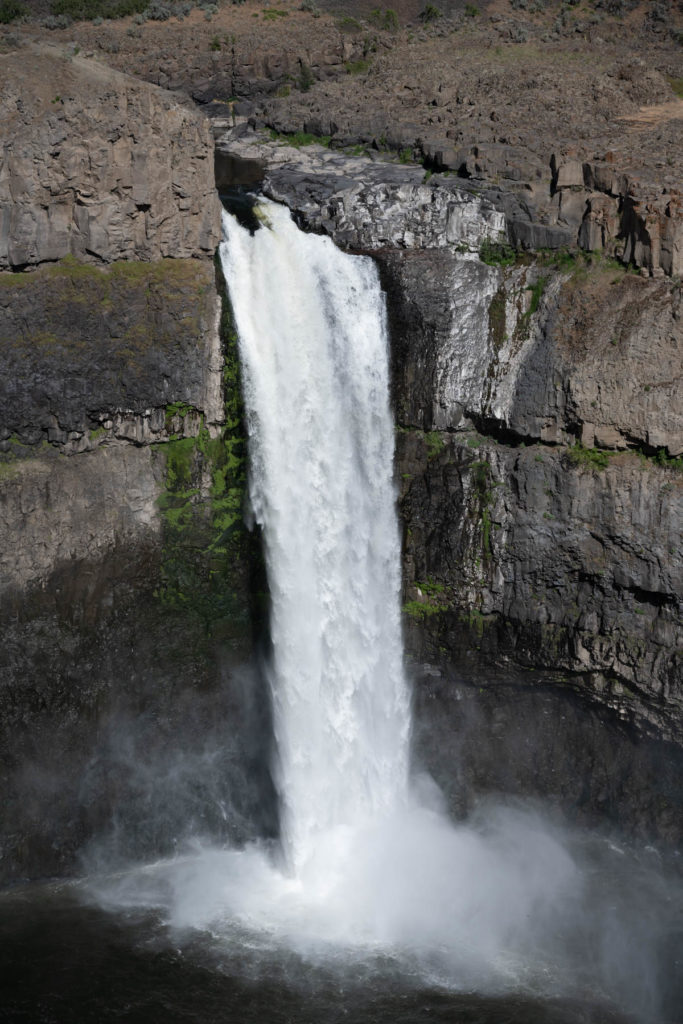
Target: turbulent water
313	348
374	906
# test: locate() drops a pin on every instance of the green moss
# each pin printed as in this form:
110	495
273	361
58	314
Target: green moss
435	444
497	254
181	409
483	490
208	554
536	290
420	610
8	469
474	620
431	588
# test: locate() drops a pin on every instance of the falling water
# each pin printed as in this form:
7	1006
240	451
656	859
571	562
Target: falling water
313	344
373	872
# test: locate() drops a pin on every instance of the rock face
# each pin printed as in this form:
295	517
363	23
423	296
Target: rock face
543	572
563	568
128	583
591	353
536	566
90	353
98	166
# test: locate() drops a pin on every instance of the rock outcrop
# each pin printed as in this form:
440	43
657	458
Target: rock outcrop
99	166
538	401
128	582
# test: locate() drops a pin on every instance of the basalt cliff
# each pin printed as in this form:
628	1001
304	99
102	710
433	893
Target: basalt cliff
534	306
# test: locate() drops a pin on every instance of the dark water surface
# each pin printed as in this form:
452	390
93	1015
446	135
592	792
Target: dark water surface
67	962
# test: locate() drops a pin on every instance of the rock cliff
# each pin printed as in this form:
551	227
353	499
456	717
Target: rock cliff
99	166
539	414
538	454
128	582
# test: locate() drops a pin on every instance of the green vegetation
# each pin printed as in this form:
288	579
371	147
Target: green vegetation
475	620
677	86
418	610
432	602
87	10
348	24
593	458
524	322
207	550
384	19
536	290
429	13
180	409
667	461
405	156
497	254
358	67
435	444
305	79
483	489
497	321
272	14
471	11
11	9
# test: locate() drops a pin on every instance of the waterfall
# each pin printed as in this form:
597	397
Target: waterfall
376	877
313	344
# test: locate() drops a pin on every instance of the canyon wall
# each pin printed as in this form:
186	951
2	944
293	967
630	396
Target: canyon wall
129	585
539	441
539	438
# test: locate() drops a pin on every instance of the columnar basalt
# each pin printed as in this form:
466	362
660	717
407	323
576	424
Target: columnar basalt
128	582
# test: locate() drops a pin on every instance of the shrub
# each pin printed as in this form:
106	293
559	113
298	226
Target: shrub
471	10
589	457
497	254
306	78
387	20
56	21
87	10
347	24
158	11
11	9
429	13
